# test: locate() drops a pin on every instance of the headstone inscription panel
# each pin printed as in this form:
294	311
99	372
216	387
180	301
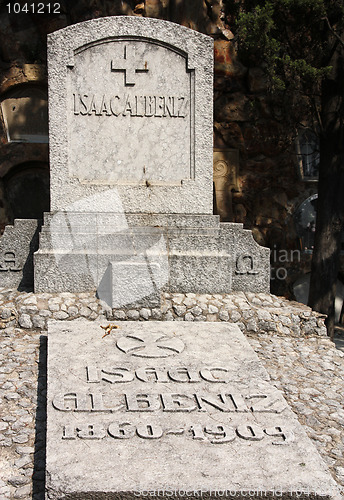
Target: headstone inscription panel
172	408
130	105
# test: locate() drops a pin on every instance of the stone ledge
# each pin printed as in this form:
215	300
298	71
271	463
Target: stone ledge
253	313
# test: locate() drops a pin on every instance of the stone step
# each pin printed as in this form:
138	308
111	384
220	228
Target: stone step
109	222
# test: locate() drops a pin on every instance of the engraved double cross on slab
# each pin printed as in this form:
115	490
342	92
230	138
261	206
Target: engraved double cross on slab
130	66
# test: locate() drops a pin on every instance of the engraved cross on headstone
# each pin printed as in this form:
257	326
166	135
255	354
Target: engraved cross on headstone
130	67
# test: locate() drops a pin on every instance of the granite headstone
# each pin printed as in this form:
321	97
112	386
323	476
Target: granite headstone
130	106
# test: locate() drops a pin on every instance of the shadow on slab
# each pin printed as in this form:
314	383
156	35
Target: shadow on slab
38	478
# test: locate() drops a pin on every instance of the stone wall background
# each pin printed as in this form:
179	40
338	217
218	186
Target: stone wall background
269	186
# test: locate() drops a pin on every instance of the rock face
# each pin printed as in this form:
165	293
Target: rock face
269	188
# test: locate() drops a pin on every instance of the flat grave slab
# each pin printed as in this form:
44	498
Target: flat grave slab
170	409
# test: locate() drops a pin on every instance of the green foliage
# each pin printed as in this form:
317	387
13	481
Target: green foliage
292	39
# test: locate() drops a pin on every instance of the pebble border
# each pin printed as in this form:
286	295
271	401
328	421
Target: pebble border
251	312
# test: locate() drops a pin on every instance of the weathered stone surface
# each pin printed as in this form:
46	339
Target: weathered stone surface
226	61
145	87
17	245
232	107
25	321
132	281
194	254
157	395
257	80
125	204
308	369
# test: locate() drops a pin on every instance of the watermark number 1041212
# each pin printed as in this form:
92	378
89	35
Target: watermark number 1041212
34	8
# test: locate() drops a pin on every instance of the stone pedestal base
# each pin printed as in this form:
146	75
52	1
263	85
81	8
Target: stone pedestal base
196	254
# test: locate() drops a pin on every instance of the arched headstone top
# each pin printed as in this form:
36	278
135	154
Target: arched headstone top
131	108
